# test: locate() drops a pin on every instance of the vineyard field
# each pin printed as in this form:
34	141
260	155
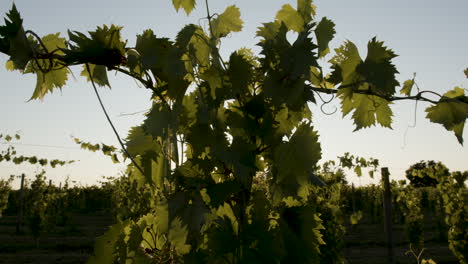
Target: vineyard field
365	241
70	244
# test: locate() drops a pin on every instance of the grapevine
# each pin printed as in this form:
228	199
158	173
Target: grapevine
217	124
5	188
454	196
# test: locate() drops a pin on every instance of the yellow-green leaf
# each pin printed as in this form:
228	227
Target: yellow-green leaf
46	82
187	5
10	65
367	109
104	247
306	9
407	86
98	73
451	111
355	217
229	21
345	62
358	171
291	18
56	77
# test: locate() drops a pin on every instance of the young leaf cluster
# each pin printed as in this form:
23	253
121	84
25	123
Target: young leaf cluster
10	154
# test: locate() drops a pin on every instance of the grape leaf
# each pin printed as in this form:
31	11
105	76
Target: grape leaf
13	24
229	21
138	143
306	9
154	227
358	171
164	59
104	252
213	77
20	50
134	61
188	115
324	32
177	236
451	111
98	73
286	120
13	40
300	227
355	217
104	47
10	65
344	64
47	81
378	70
187	5
407	86
55	78
368	109
159	121
294	159
270	31
153	51
193	39
240	73
291	18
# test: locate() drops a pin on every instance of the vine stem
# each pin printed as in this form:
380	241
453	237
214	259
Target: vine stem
209	17
212	38
417	97
110	121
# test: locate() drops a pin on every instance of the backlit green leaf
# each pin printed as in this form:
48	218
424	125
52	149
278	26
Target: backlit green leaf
98	73
138	142
358	171
187	5
344	64
407	86
195	42
324	32
368	109
355	217
104	46
229	21
294	159
306	9
377	70
178	236
104	247
291	18
13	40
48	81
10	65
57	76
451	113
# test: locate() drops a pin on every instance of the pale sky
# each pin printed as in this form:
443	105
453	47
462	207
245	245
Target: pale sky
429	36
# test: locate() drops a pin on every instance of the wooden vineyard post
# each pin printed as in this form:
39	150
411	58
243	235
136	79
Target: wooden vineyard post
19	218
352	198
387	204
